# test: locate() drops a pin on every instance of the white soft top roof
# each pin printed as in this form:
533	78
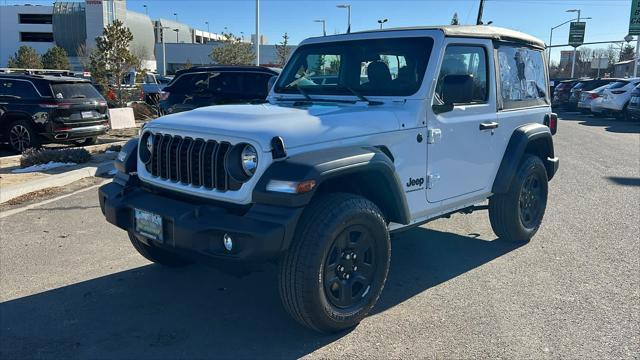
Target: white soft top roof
470	31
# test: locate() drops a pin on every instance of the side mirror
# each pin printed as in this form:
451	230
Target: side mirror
271	82
456	89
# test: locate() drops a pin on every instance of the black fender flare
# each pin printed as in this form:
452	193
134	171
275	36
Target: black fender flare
327	164
535	134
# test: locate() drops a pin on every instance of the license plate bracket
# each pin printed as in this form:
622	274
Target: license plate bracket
86	114
148	224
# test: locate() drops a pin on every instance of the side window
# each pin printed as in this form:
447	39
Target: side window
22	89
466	60
522	77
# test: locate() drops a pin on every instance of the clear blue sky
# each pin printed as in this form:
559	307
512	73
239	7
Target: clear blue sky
610	18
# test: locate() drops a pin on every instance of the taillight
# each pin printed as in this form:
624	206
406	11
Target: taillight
618	92
551	120
164	95
55	105
595	95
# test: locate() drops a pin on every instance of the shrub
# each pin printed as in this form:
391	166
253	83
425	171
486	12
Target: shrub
42	156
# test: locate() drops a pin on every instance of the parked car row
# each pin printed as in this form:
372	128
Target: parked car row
38	109
601	97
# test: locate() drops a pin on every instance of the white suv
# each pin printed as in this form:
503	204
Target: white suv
614	98
362	135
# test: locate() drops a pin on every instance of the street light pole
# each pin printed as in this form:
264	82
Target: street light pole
348	7
551	37
324	26
146	9
382	21
257	32
164	51
176	15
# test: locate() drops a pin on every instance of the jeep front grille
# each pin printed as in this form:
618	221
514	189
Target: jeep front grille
195	162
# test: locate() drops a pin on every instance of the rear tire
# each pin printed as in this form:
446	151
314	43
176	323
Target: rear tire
516	215
157	255
22	136
322	284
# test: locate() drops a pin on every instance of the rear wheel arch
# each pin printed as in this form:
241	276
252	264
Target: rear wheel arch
534	139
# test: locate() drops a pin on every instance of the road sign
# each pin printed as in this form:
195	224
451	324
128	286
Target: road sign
576	33
600	63
634	20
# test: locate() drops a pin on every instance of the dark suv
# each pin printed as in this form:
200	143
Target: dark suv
562	91
37	109
215	85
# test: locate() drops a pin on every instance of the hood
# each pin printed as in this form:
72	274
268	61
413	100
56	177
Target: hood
298	126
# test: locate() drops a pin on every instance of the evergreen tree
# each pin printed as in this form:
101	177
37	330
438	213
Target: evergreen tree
627	53
282	50
111	59
233	51
454	19
25	58
55	58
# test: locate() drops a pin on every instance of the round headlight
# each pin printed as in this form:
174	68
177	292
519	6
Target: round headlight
249	159
146	147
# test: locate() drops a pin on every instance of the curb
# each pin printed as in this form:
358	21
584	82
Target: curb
10	161
63	179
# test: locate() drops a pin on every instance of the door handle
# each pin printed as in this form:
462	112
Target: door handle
489	126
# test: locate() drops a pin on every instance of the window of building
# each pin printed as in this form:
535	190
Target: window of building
36	37
522	77
466	60
36	18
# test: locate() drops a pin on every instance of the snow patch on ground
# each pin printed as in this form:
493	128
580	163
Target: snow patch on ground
42	167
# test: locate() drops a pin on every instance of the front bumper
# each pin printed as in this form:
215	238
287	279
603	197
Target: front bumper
259	233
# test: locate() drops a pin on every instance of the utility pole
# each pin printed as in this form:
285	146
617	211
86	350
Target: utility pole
257	32
635	58
480	9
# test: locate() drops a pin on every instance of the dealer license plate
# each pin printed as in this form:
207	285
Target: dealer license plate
86	114
148	224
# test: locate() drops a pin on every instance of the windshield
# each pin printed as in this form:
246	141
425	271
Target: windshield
75	91
383	67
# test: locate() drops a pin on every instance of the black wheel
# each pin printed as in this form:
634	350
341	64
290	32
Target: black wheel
516	216
336	268
624	114
87	141
157	255
22	136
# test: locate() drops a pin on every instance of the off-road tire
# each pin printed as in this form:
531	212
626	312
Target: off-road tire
157	255
302	269
505	210
20	128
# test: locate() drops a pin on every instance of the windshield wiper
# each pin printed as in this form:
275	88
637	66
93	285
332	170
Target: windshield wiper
360	96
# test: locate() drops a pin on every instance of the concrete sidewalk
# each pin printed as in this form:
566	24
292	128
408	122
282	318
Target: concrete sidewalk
9	192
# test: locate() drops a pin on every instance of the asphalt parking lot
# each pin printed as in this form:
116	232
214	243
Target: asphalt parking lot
73	287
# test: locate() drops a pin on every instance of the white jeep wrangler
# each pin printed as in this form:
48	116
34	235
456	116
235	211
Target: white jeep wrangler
363	134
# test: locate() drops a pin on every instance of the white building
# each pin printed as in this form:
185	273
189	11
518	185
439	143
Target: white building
30	25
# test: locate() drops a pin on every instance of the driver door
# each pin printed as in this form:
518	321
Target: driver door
461	158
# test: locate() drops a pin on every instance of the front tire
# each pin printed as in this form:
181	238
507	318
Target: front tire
157	255
335	270
516	215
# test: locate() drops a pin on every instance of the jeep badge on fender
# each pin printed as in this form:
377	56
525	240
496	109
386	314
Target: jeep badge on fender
312	178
